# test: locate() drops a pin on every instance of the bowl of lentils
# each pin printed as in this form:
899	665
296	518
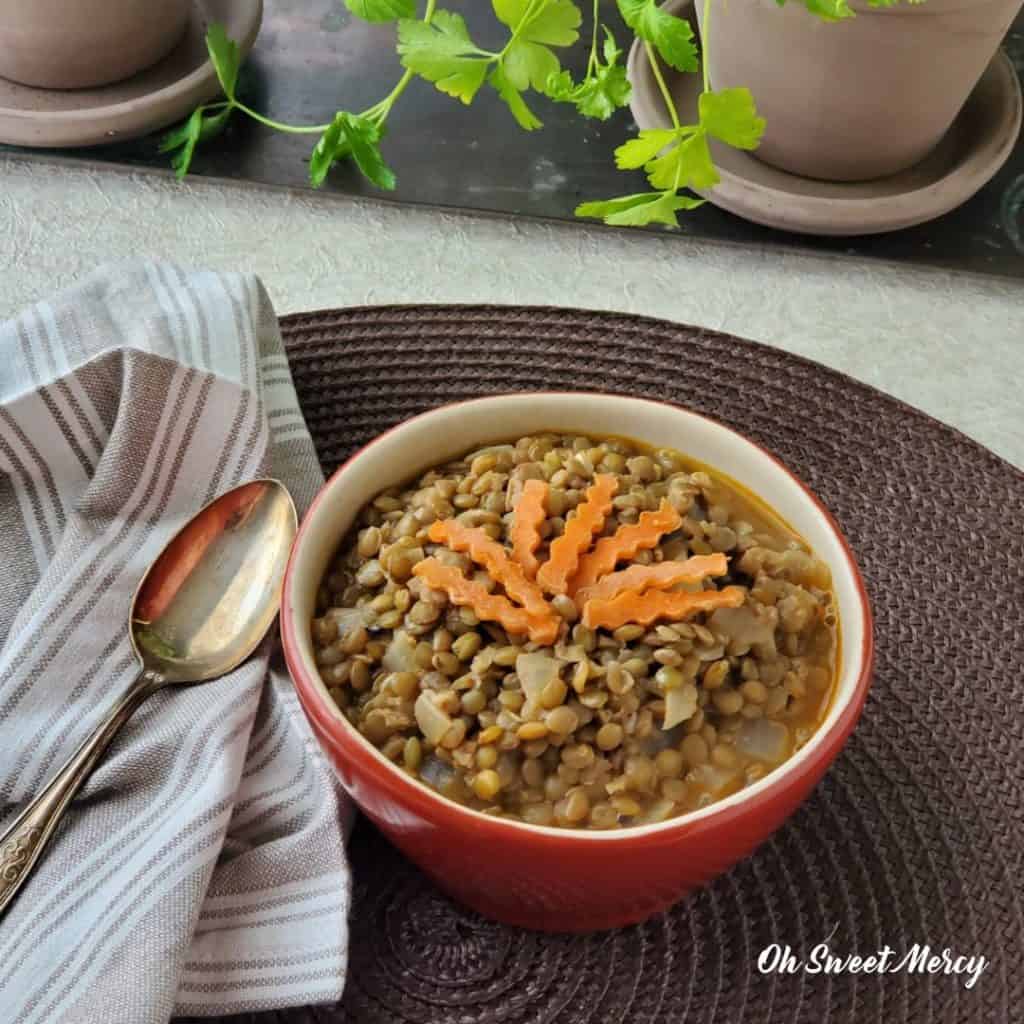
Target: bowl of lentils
575	654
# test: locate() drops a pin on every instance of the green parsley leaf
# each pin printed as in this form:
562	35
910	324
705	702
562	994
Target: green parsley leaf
382	10
350	135
225	57
601	93
363	138
680	157
835	10
333	146
672	37
560	87
529	64
640	209
645	147
611	50
556	23
598	96
202	125
830	10
687	165
528	61
730	115
605	93
514	100
443	53
605	207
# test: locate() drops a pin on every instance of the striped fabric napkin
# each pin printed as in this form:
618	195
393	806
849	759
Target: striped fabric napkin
202	870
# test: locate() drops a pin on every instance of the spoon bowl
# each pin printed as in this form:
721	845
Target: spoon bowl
208	600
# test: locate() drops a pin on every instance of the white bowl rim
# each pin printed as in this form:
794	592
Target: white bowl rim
301	635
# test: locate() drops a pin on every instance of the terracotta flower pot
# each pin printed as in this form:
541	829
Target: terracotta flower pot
57	44
859	98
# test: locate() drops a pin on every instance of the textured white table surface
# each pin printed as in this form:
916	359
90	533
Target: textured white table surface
950	344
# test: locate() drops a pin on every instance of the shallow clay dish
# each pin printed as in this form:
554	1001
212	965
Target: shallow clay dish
977	145
150	100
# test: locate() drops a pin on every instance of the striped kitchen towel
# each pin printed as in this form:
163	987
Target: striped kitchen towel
202	869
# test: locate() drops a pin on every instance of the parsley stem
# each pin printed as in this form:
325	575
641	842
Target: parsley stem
704	46
660	79
380	110
295	129
533	8
592	62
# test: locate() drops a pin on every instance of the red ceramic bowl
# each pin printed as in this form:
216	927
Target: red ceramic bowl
542	877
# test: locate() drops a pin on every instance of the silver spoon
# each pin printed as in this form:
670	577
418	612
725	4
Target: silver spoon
201	609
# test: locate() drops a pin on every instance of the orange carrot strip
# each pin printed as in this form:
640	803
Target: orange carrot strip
544	630
564	556
530	512
494	558
492	607
625	543
643	609
660	576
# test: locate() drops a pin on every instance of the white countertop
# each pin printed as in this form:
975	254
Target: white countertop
950	344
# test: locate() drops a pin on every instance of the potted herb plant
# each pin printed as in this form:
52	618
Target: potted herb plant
856	128
53	44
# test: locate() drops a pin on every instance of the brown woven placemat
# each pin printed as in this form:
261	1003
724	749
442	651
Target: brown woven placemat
916	834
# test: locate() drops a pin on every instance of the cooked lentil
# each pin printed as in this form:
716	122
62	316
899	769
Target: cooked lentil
571	734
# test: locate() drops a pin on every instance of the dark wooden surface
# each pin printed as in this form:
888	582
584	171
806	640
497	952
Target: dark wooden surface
312	58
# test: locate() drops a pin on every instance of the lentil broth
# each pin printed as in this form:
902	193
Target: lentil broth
570	734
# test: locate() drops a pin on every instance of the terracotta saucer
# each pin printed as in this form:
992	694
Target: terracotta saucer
150	100
975	147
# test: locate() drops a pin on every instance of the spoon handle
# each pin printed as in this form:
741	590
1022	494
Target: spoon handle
23	843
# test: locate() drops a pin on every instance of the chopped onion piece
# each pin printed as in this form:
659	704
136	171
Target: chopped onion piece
495	449
714	779
680	704
346	618
399	654
436	772
535	671
433	722
764	739
746	627
570	652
